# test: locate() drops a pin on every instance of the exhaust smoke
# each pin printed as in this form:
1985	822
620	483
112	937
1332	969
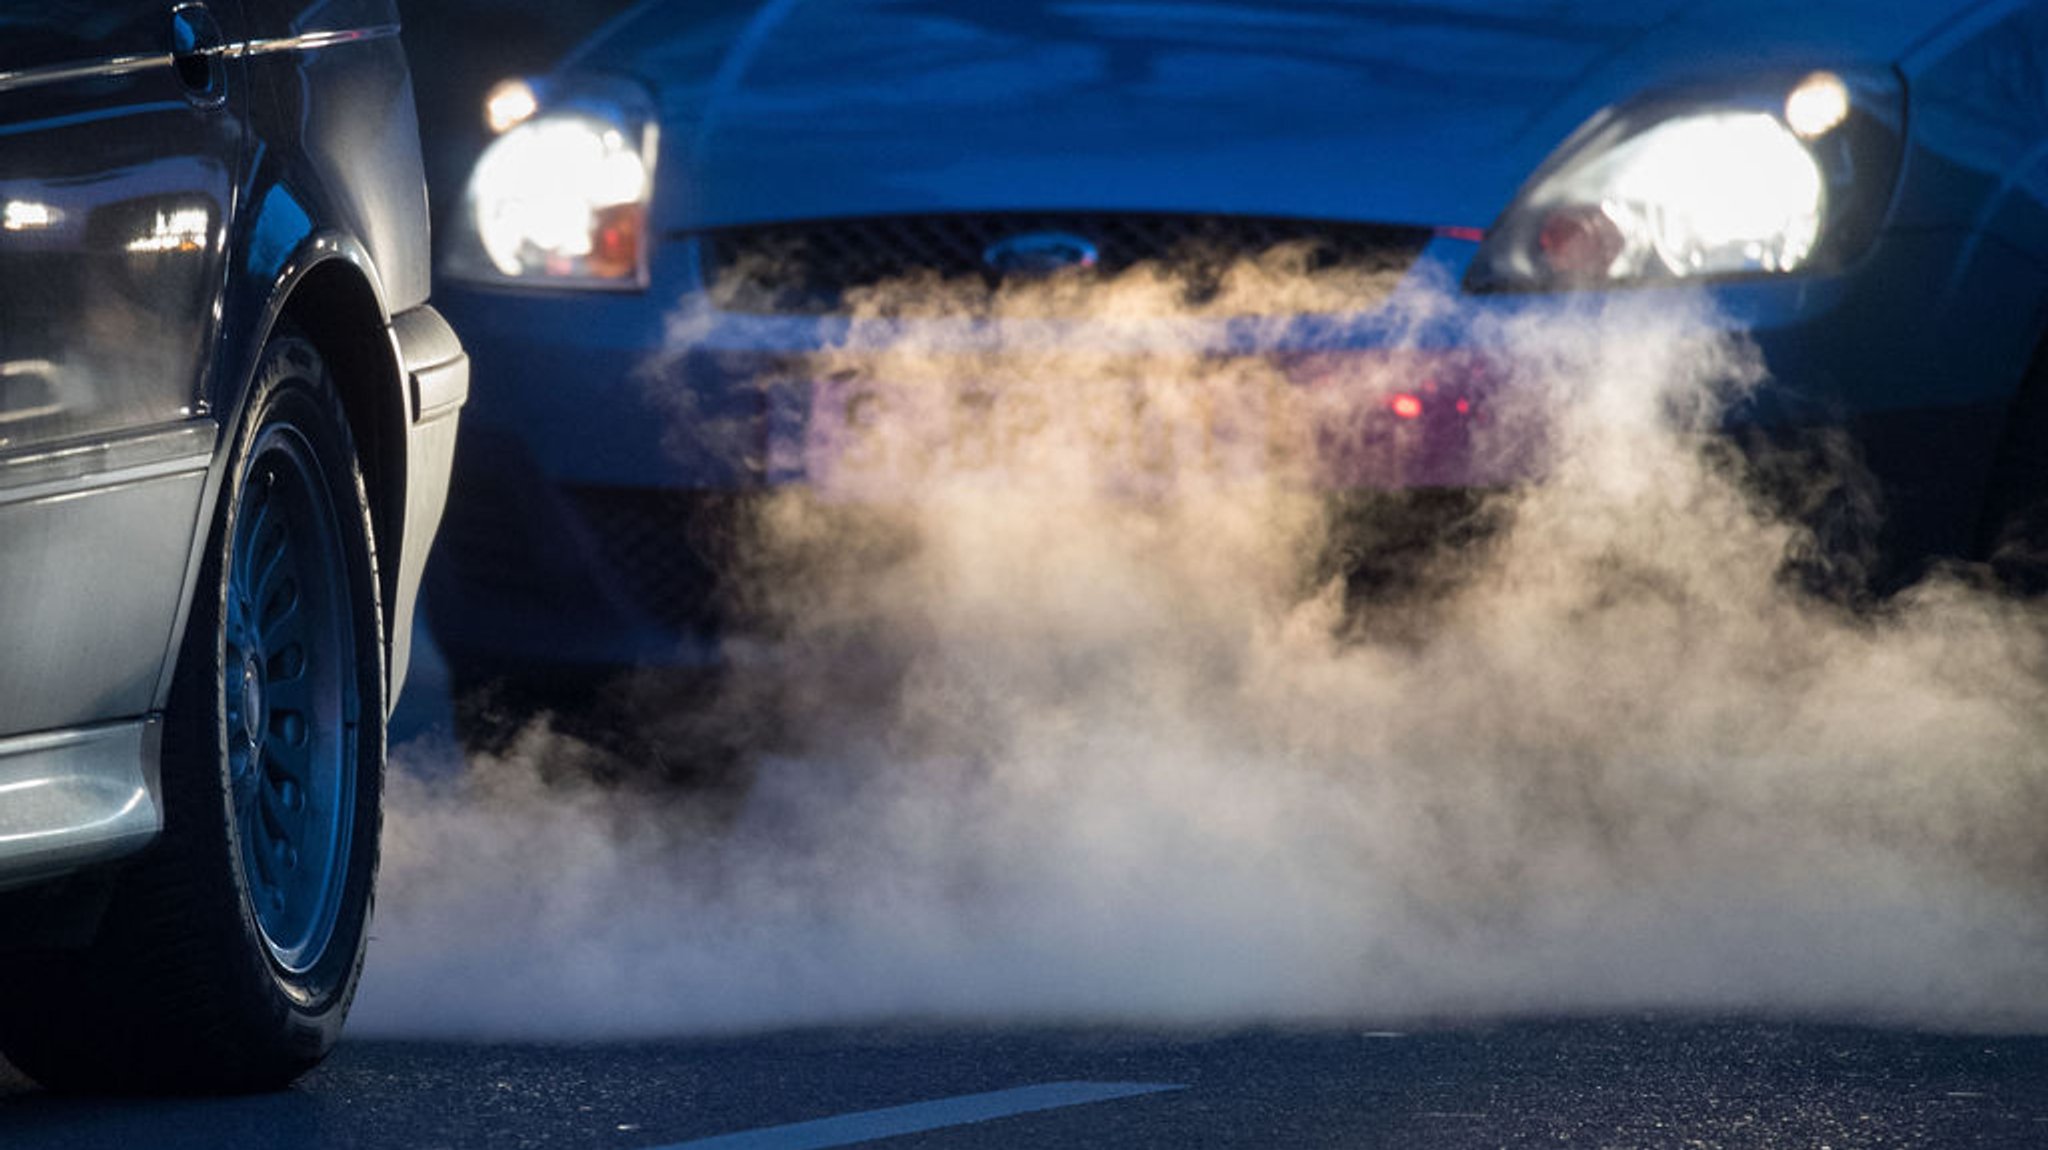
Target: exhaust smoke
1071	714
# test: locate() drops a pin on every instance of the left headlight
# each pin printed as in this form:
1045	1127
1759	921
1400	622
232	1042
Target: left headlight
1784	178
561	198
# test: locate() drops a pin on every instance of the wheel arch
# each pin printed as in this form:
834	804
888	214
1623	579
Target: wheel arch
329	292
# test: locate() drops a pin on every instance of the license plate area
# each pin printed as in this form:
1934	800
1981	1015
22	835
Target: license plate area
1137	427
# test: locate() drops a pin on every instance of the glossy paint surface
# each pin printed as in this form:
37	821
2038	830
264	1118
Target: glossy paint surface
1398	112
115	189
117	180
172	176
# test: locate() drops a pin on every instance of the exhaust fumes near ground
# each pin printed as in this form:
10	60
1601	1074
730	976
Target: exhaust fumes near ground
1066	712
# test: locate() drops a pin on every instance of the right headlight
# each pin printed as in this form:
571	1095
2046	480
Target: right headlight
560	199
1780	178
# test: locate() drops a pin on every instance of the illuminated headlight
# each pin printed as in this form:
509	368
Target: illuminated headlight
1791	180
560	199
509	104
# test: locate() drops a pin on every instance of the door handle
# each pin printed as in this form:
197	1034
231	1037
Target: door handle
197	48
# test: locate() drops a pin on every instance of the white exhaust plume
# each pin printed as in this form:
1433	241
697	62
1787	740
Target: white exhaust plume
1070	729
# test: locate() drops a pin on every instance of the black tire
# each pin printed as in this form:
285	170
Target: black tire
188	986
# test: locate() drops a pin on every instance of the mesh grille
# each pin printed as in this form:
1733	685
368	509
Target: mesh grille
492	540
812	267
665	550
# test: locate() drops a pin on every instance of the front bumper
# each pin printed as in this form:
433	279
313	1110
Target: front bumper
607	429
436	373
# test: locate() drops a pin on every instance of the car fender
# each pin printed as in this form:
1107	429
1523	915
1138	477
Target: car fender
401	378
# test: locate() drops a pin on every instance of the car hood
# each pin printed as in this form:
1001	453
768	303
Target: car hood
1401	111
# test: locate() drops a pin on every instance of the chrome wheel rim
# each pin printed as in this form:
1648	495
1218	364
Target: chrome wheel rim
290	698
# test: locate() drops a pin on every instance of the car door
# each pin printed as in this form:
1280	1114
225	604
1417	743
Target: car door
121	133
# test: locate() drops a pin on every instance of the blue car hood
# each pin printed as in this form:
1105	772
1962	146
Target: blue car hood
1401	111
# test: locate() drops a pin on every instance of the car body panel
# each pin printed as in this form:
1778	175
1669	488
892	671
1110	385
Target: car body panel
342	108
116	184
89	576
1979	108
436	372
165	214
75	797
1306	108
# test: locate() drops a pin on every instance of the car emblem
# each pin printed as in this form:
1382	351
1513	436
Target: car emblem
1040	254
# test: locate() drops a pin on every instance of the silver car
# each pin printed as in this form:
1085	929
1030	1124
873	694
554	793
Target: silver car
226	420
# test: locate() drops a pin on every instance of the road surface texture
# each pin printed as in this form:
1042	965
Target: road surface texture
1623	1082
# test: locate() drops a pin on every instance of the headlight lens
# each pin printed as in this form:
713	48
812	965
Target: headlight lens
560	196
1663	203
1792	180
561	199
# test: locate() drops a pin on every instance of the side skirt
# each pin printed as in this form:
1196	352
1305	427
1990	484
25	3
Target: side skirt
69	799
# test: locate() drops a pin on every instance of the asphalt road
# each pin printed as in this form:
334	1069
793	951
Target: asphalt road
1638	1082
1612	1082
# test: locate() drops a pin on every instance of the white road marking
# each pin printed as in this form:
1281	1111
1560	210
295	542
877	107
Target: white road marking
965	1110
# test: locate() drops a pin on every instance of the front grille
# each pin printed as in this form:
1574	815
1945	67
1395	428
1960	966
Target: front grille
485	547
500	536
668	552
826	267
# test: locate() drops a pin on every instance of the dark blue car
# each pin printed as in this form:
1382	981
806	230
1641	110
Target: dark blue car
704	194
